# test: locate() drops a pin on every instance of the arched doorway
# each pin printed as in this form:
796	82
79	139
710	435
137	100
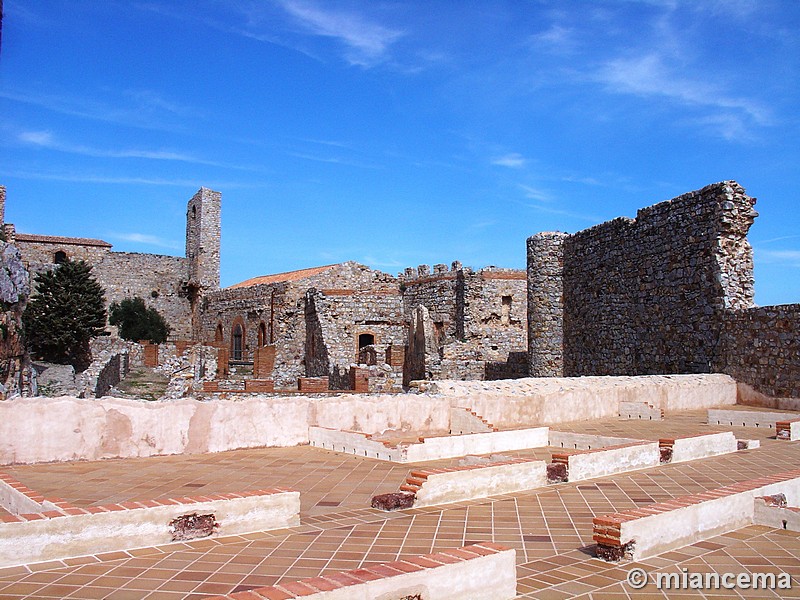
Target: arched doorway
218	334
237	342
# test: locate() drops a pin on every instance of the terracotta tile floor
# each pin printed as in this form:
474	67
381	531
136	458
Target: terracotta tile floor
550	527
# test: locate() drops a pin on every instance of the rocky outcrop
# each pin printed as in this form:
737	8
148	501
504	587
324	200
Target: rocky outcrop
16	374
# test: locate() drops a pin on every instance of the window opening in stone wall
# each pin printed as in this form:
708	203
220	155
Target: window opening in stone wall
218	335
194	211
236	350
505	315
262	335
60	257
365	339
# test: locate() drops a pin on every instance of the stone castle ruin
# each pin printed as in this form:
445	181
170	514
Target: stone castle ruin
668	292
634	369
314	322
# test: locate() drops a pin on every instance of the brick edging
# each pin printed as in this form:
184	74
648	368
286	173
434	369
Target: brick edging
340	579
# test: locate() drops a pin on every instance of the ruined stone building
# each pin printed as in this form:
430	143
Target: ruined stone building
170	284
317	321
668	292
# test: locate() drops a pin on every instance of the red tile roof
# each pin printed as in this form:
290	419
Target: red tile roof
283	277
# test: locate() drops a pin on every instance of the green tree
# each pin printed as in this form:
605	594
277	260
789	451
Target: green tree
66	311
137	322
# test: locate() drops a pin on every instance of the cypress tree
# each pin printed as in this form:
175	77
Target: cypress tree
65	313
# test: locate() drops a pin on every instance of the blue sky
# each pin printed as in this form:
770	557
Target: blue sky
396	133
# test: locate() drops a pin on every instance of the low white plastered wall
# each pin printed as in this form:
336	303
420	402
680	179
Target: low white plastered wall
598	463
16	503
61	429
350	442
585	441
776	516
459	486
702	446
550	400
431	448
434	448
490	577
25	542
748	418
639	410
680	527
794	431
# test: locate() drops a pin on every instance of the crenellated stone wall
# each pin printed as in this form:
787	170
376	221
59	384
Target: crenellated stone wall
477	320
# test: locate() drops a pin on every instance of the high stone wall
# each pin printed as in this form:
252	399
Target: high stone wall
477	321
160	281
668	292
761	346
647	296
38	252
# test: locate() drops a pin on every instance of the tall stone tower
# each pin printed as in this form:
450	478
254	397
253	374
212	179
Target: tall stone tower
202	247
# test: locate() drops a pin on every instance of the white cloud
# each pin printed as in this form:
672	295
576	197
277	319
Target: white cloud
366	42
145	238
513	161
143	109
37	138
536	194
784	257
557	40
46	139
648	75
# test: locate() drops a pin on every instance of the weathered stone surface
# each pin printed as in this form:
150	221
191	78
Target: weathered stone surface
546	304
670	291
557	473
17	377
393	501
55	380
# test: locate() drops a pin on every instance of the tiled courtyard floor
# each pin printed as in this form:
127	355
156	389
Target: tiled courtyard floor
550	528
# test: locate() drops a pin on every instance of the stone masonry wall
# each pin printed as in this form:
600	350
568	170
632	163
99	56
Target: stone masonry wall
761	346
438	292
343	316
648	295
203	231
495	311
160	281
546	304
476	318
349	288
39	255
